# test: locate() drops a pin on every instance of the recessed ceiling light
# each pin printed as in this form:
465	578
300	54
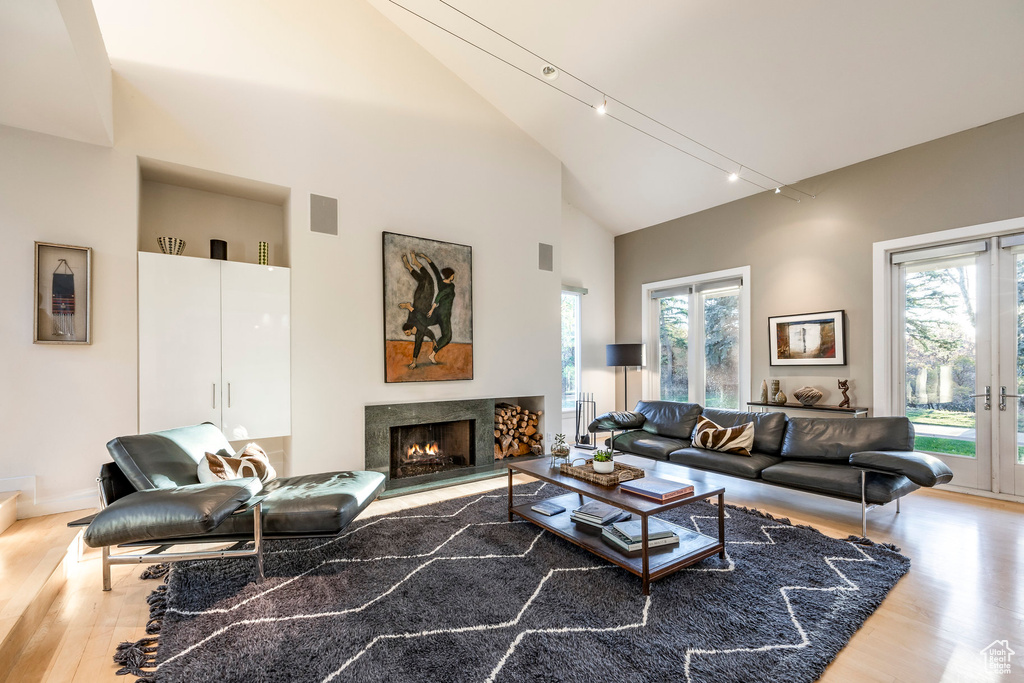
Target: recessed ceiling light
550	72
778	190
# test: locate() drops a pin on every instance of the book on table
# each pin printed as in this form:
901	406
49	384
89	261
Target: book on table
656	529
661	490
596	527
623	543
547	507
596	511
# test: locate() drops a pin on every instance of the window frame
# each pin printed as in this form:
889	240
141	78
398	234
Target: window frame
576	292
650	378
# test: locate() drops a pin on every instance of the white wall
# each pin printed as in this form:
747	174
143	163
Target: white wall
61	404
588	261
403	144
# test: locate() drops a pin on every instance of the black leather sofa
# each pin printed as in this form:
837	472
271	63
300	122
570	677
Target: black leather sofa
867	460
151	496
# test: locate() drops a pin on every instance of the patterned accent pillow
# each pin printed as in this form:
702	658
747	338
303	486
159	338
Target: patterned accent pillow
251	462
738	440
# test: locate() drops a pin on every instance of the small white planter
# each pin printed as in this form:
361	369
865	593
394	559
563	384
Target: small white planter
606	467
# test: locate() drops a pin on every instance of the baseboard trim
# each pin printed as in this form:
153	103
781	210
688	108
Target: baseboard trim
1008	497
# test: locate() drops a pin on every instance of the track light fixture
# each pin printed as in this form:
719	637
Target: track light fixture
549	72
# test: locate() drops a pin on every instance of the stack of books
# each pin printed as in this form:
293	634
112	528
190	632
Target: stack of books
661	490
593	516
627	537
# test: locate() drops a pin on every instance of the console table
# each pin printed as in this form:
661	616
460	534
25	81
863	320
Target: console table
854	411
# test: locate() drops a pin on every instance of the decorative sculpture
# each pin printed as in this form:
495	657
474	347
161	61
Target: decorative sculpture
844	386
764	391
807	396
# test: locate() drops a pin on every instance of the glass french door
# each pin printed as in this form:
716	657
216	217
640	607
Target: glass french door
960	361
697	329
1010	388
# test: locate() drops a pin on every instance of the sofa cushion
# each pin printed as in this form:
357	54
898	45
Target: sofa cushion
651	445
812	438
669	418
310	505
166	513
749	467
841	481
169	458
737	440
769	428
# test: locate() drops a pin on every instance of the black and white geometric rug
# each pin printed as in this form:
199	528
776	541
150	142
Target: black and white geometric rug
453	592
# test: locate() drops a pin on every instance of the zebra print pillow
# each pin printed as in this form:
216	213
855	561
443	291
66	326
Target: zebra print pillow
738	440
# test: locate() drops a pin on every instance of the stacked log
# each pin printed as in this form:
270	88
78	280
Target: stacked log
516	431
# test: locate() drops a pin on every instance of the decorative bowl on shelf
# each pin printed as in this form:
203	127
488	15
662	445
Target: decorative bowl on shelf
171	245
808	396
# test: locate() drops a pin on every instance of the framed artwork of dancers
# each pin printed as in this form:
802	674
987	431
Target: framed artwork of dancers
62	306
428	310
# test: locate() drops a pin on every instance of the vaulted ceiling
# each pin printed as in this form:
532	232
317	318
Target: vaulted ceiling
791	89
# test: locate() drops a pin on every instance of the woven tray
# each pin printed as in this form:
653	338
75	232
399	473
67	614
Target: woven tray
586	473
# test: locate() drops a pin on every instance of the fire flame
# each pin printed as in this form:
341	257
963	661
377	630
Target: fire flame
417	451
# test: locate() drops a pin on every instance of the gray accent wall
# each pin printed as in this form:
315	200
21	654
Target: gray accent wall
816	255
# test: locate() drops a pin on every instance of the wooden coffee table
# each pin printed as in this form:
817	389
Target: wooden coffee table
693	547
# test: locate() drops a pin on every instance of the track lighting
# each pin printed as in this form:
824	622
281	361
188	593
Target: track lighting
549	72
778	190
733	177
602	108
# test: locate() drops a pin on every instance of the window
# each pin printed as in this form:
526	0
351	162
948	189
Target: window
571	305
698	328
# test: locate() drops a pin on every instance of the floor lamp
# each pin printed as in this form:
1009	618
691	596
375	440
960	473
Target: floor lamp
624	356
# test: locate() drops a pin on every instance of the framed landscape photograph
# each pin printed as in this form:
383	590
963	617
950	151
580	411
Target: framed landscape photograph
63	282
428	310
808	339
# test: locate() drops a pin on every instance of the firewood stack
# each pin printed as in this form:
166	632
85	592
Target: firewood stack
515	431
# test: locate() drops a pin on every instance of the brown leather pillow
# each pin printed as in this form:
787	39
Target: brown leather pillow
251	462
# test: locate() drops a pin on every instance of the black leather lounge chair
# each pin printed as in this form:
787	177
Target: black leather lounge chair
151	496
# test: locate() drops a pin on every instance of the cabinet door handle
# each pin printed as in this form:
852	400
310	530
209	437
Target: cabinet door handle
215	395
229	394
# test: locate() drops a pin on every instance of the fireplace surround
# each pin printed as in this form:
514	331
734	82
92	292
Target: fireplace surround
455	440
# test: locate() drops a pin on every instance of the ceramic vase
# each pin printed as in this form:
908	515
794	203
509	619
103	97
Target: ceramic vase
774	391
264	253
780	398
764	391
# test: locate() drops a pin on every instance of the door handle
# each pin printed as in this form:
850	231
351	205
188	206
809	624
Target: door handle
988	398
1003	396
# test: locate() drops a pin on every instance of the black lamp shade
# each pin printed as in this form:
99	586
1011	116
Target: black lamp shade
618	355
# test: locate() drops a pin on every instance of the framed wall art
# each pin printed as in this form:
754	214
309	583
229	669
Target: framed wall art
62	305
808	339
428	310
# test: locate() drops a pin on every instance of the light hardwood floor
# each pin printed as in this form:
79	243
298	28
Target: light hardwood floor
965	589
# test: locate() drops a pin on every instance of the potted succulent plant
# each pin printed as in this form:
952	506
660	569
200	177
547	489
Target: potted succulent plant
559	450
603	462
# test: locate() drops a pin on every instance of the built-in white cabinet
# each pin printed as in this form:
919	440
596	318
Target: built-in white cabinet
214	345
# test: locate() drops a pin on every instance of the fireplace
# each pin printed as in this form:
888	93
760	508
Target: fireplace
432	443
425	449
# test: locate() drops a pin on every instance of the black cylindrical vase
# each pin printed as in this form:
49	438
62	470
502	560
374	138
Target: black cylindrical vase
219	250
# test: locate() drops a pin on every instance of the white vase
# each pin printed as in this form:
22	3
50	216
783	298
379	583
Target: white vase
606	467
